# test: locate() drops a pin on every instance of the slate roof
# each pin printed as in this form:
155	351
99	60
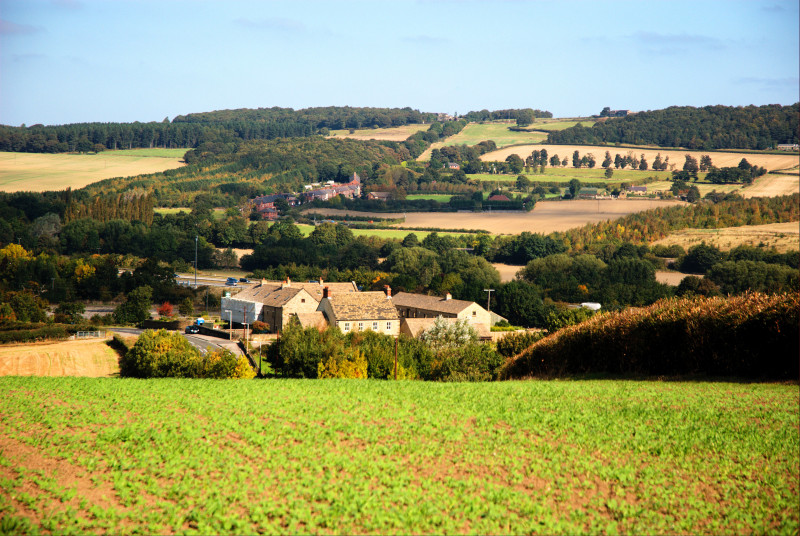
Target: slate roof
263	292
313	320
430	303
363	306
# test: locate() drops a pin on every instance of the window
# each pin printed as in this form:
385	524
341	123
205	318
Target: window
347	326
474	313
374	326
361	326
388	326
302	300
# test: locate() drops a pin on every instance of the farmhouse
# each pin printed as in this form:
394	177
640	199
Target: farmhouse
380	196
421	306
498	197
360	311
788	147
453	165
276	302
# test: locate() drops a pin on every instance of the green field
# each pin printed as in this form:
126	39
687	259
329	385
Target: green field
381	233
218	213
566	174
84	455
550	125
441	198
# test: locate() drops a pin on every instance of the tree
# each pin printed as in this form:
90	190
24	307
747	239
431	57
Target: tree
705	163
165	310
186	307
410	241
691	165
523	183
136	307
574	187
576	159
700	259
524	118
609	172
555	161
161	354
607	161
446	334
515	163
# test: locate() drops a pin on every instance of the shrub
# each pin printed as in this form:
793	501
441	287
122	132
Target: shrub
161	354
165	309
222	364
260	327
349	363
446	334
514	343
472	362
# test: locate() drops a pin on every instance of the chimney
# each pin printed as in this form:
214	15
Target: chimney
263	281
388	291
326	293
448	296
320	281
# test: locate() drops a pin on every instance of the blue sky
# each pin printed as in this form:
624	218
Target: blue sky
68	61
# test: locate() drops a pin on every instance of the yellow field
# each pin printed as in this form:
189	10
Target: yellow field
782	236
719	159
546	217
33	172
93	358
384	134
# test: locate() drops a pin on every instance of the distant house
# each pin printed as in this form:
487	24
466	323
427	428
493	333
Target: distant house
498	197
637	190
351	189
379	196
453	165
421	306
361	311
788	147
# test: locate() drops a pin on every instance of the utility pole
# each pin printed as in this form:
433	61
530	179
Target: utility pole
489	299
195	261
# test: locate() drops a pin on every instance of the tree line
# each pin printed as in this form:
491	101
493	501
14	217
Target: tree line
709	127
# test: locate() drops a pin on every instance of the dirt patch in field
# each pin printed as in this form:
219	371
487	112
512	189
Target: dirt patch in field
32	172
782	236
93	358
546	217
719	159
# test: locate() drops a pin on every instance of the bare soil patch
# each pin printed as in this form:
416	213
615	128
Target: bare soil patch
92	358
671	278
719	159
546	217
782	236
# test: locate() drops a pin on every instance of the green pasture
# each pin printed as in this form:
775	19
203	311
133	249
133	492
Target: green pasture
85	455
217	213
566	174
382	233
550	125
441	198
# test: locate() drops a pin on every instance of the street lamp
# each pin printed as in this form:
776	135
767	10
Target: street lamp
230	325
489	299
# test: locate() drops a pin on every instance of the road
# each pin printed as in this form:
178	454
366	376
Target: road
203	343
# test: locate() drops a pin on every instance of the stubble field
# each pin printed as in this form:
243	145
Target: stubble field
782	236
34	172
386	134
92	358
83	455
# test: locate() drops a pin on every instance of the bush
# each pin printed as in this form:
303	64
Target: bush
470	363
514	343
161	354
260	327
222	364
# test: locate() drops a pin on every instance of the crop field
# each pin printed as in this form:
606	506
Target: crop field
33	172
388	134
91	357
677	157
782	236
545	217
84	455
773	186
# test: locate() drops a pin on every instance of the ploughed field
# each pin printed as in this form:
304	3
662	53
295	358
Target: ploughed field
35	172
544	218
89	455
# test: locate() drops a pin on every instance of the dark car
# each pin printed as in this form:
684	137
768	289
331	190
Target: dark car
243	280
192	329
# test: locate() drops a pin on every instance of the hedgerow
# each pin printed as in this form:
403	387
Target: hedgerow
752	336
